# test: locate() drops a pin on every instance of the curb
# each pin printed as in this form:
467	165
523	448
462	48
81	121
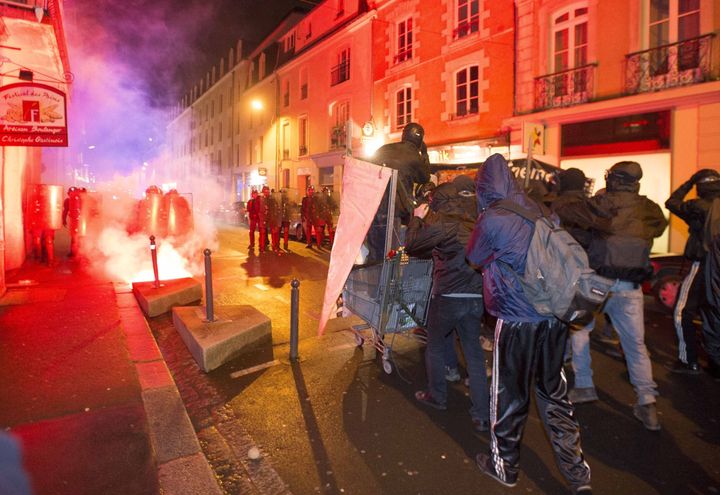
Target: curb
182	466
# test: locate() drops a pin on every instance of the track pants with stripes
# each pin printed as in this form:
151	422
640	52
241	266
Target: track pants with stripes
692	301
531	355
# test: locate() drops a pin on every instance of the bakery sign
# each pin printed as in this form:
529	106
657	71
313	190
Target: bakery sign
32	114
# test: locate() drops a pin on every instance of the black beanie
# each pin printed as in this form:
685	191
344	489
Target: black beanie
572	179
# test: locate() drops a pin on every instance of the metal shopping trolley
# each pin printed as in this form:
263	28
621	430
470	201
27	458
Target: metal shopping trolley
392	297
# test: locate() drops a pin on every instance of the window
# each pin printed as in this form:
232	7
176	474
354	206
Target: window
340	116
341	71
570	39
289	43
286	140
468	17
467	91
250	152
403	107
286	178
286	92
674	21
260	150
302	136
303	84
404	40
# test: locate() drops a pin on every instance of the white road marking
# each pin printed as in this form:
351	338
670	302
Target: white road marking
253	369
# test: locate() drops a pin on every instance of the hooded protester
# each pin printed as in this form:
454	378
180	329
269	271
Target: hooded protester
529	347
456	303
692	298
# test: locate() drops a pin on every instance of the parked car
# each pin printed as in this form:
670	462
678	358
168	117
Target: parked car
669	270
240	213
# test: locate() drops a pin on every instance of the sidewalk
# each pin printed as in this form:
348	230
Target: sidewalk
86	390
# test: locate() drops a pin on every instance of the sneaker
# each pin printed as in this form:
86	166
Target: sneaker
452	374
424	397
684	368
647	414
485	465
582	395
481	425
582	490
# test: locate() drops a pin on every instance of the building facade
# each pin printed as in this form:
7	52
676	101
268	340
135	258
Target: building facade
529	76
447	65
33	50
610	80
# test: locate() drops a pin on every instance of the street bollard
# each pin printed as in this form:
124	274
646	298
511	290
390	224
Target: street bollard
208	287
294	308
153	253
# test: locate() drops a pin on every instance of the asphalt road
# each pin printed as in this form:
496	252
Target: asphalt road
337	423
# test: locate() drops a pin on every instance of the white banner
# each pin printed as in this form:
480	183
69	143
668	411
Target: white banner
363	187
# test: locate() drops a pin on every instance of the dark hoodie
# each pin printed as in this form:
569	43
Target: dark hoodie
499	242
443	234
693	212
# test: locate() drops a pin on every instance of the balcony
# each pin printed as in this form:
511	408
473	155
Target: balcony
338	137
465	28
676	64
565	88
340	73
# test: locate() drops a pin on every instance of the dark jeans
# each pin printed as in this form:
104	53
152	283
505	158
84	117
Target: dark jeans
464	315
531	355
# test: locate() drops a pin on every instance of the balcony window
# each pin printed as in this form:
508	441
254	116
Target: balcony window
403	107
302	136
467	91
303	84
404	40
468	18
341	71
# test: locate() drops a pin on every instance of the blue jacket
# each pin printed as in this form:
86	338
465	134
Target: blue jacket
500	241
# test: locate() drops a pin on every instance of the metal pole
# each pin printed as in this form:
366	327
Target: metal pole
153	253
294	305
208	287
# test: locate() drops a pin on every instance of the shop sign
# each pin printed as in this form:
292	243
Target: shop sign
262	172
533	138
32	114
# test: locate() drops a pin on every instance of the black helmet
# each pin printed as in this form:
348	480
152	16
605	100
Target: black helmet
708	183
413	133
626	171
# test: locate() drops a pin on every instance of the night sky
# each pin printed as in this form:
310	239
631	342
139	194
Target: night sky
133	59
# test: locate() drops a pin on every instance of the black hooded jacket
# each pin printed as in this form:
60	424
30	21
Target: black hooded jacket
444	234
413	166
693	212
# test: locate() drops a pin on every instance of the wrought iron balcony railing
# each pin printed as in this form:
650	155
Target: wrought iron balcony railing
676	64
338	137
340	73
565	88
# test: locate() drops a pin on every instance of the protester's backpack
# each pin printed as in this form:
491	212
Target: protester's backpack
558	280
712	224
711	241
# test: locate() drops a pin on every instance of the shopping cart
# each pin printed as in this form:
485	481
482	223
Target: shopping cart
392	297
